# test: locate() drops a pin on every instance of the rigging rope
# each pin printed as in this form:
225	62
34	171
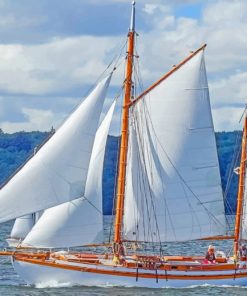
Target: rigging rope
234	161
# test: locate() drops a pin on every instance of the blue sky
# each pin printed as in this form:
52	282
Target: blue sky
52	52
189	10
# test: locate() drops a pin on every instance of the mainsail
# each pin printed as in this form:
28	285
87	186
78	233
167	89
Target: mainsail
80	221
173	186
57	172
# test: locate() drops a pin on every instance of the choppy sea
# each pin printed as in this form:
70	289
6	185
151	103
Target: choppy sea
11	284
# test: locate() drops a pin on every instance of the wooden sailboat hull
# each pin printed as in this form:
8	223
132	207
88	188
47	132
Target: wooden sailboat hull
48	273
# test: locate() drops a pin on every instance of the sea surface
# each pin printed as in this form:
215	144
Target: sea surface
11	284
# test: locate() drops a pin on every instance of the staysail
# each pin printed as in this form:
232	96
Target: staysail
57	172
174	192
22	226
80	221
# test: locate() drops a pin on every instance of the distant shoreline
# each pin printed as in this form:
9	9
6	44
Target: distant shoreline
15	148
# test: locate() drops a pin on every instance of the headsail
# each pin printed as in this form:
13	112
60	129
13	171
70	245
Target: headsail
80	221
58	172
22	226
175	193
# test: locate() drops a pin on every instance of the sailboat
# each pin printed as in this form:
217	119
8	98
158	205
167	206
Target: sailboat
168	189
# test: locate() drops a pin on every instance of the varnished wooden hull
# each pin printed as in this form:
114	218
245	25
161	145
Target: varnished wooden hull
60	272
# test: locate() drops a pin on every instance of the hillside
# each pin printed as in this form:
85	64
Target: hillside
16	148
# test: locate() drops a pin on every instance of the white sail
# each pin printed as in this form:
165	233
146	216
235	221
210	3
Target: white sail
244	222
80	221
37	215
174	192
243	234
57	173
22	226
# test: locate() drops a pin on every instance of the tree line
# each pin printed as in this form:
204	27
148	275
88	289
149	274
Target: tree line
17	147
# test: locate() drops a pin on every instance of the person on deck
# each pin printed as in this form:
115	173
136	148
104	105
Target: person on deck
243	252
210	256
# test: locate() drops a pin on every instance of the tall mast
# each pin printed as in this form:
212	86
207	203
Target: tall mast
124	133
242	171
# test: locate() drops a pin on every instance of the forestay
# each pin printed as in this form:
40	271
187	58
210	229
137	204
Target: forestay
173	190
80	221
57	172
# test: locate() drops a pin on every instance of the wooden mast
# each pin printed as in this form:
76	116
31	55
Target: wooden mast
242	171
124	133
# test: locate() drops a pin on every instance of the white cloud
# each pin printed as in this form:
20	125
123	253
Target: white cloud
55	66
11	21
227	118
151	8
62	64
43	120
36	119
223	11
230	90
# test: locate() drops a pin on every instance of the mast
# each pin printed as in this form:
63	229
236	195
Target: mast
240	189
124	133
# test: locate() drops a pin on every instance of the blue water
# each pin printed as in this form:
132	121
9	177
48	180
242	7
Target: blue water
12	284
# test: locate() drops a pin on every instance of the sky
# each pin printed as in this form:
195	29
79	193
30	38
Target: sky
53	51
